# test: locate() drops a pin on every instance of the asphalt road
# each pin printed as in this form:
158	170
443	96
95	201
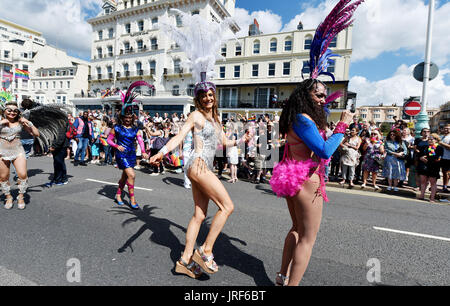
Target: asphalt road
365	238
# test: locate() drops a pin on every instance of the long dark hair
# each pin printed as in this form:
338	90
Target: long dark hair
397	135
300	102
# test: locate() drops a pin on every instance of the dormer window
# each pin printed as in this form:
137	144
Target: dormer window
109	7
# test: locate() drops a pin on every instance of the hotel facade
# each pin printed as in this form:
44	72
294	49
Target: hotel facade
258	71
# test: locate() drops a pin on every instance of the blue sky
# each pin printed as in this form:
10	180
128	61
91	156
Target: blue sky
376	69
388	37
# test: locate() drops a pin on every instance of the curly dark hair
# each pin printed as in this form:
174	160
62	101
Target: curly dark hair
397	135
300	102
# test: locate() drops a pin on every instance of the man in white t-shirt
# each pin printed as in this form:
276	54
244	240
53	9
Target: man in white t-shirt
445	162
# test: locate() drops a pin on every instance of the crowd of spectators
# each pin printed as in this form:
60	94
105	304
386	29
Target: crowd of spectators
365	153
399	157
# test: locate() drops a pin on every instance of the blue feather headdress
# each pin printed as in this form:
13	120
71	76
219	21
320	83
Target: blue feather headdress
129	97
338	20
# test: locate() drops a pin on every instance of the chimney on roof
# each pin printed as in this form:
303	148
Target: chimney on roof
254	29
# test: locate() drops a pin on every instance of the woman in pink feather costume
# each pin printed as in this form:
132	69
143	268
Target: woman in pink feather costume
299	177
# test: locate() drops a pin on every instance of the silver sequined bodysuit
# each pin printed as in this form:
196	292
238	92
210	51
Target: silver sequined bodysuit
205	145
10	144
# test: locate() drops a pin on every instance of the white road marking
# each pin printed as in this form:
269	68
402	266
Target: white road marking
411	234
115	184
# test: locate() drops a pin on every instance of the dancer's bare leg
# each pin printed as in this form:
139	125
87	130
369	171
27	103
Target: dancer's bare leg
290	242
4	181
131	177
122	183
212	188
20	163
308	206
200	211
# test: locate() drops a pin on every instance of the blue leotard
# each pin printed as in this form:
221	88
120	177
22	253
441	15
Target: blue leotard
127	139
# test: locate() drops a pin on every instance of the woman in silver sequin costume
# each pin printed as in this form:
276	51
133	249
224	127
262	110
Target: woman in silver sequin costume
207	134
11	151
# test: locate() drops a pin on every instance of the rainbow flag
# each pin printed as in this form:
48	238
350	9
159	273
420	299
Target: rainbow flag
252	119
103	141
176	161
22	74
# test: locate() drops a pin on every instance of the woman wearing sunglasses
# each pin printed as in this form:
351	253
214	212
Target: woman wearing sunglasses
11	151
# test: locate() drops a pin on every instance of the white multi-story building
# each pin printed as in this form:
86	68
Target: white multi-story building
263	68
258	69
55	77
128	46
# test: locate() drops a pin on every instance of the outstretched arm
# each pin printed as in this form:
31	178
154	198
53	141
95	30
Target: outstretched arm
307	131
175	141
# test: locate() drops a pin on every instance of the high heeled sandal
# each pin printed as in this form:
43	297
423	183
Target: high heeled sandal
202	260
120	203
192	270
281	280
21	203
9	203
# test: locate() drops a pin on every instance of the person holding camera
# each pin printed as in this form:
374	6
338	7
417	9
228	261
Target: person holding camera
394	163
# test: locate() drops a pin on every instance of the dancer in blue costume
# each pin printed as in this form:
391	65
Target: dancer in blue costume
126	133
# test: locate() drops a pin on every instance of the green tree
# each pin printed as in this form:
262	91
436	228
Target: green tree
385	128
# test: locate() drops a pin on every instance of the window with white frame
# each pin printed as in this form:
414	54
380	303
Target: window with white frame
152	67
238	50
286	68
272	69
273	46
222	71
141	25
177	66
288	44
255	70
237	71
223	50
256	47
308	42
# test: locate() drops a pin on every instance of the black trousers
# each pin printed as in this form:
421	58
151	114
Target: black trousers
161	166
59	166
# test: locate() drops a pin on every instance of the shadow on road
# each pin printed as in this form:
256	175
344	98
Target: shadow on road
265	189
229	255
159	228
173	181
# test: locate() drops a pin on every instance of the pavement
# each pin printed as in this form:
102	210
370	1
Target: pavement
78	227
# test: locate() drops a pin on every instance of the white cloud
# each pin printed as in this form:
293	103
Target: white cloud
399	86
269	22
62	22
387	26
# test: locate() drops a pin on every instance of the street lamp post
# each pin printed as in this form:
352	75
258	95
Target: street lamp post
422	118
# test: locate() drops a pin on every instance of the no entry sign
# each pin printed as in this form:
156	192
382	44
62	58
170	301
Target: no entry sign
412	108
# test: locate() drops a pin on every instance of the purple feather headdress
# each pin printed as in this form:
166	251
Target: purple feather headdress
204	85
130	95
338	20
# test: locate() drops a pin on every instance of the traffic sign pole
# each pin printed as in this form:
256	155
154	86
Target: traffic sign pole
422	119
